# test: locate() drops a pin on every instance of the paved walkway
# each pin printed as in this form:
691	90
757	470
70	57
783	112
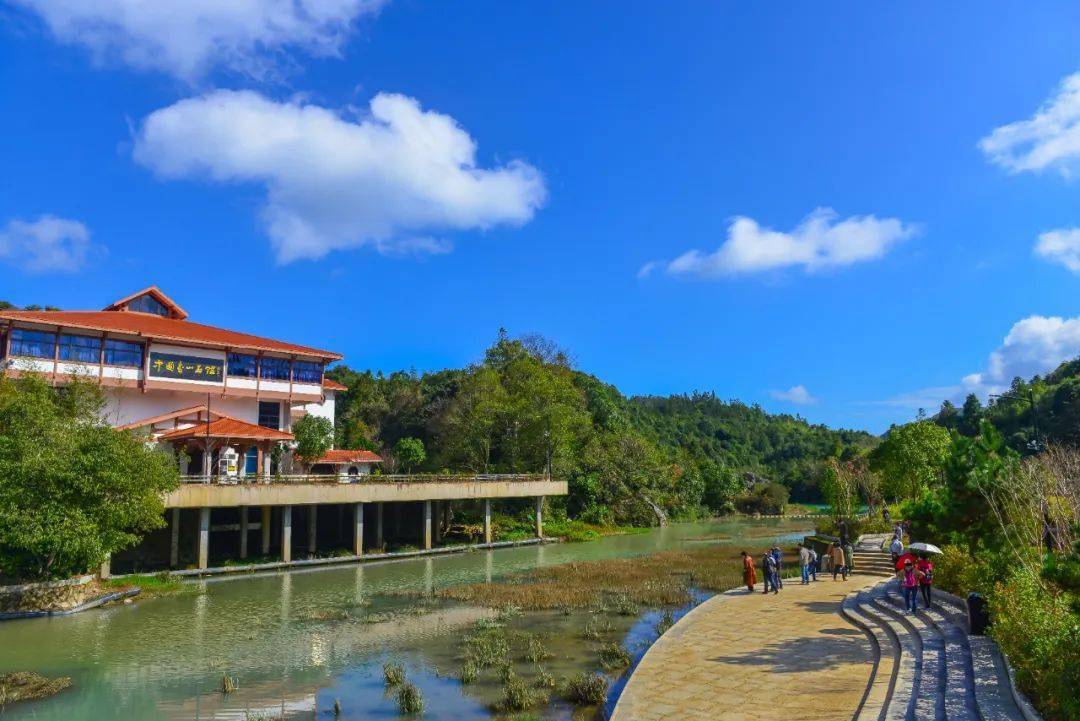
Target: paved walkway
742	656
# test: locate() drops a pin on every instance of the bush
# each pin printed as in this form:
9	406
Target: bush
1041	636
410	700
535	651
469	671
614	656
394	673
517	696
587	689
765	498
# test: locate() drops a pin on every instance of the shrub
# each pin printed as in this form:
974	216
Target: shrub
535	651
543	678
410	700
764	498
469	671
487	649
666	621
613	656
394	673
517	696
586	689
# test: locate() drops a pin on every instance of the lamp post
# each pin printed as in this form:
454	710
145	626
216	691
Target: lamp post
1034	444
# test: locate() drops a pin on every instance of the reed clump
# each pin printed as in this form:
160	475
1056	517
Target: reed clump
409	699
393	673
586	689
469	671
517	696
614	656
535	650
666	621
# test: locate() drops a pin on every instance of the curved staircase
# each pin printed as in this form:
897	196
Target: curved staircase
927	667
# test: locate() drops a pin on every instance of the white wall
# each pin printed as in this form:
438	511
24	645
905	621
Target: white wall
127	405
324	409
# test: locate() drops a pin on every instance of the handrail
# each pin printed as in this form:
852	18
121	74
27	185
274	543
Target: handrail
365	478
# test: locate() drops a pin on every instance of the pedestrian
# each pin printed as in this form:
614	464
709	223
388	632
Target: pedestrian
843	531
885	514
814	561
779	556
749	572
767	563
849	558
926	568
805	560
896	549
909	581
838	562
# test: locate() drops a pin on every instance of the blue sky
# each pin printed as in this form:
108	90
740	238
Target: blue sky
396	180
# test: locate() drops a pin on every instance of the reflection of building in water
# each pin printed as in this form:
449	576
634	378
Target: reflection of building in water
227	404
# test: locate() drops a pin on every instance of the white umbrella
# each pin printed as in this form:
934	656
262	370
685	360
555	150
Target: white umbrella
924	547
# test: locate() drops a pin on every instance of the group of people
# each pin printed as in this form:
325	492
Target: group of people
838	559
915	574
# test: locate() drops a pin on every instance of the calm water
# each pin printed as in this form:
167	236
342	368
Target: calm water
298	640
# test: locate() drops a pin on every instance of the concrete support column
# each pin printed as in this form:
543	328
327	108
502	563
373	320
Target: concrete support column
378	526
204	537
265	528
427	525
438	523
312	531
539	516
286	533
243	531
174	540
358	529
487	520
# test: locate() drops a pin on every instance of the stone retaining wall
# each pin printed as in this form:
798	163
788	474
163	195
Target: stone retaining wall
48	596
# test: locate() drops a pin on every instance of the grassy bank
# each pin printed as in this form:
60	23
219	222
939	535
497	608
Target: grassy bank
152	586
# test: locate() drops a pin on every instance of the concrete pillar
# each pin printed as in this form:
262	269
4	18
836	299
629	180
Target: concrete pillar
438	523
539	516
243	531
378	526
286	533
174	541
427	525
312	531
265	528
204	537
487	520
358	529
106	567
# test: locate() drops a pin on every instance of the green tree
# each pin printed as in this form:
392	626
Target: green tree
72	489
971	415
911	458
410	453
314	437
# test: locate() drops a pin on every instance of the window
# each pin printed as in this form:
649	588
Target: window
274	369
123	353
147	304
270	414
80	348
304	372
251	463
33	343
242	366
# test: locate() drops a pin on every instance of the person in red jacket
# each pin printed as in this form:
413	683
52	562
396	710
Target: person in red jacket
924	566
749	571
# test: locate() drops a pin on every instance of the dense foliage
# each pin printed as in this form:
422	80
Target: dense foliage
72	489
314	436
523	408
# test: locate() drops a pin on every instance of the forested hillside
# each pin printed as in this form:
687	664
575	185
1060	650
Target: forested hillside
627	460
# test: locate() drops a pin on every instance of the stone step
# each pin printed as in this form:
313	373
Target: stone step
901	703
875	702
930	697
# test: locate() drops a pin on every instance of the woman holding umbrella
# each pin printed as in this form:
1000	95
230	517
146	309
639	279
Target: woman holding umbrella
926	567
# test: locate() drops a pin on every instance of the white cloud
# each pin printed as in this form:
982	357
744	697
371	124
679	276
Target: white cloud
1034	346
48	244
820	241
1050	139
185	38
796	394
384	179
1061	246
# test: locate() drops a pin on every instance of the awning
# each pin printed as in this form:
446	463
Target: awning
226	428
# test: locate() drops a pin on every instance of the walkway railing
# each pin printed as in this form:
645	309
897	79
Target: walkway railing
333	478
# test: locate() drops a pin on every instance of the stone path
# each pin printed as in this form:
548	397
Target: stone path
742	656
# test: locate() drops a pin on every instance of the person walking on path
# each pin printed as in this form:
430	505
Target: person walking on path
804	563
910	577
813	563
843	531
849	558
886	515
838	562
926	568
778	581
896	549
749	572
768	563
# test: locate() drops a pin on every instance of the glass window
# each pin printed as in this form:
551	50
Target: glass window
80	348
305	372
270	414
33	343
274	369
251	464
123	353
147	304
242	366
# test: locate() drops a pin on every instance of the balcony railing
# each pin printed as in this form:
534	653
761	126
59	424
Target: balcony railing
333	478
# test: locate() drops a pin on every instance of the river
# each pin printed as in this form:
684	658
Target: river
297	641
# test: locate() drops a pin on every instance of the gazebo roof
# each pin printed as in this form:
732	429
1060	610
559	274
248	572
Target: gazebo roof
226	427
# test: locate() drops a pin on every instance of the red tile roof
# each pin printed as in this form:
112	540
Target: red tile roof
165	329
226	427
332	385
347	456
157	294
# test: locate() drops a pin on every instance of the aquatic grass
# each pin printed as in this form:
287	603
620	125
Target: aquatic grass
666	621
614	656
506	670
152	586
586	689
409	700
535	650
596	629
393	673
487	649
469	671
544	679
229	683
27	686
517	696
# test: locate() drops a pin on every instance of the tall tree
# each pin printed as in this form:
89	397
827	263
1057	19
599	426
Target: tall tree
911	458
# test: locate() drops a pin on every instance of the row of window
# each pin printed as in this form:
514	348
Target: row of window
86	349
242	365
75	348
